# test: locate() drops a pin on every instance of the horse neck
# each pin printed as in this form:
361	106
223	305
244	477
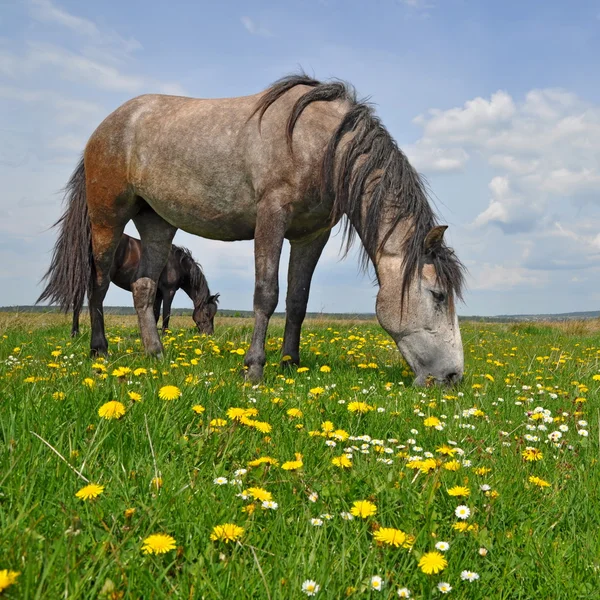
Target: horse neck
199	294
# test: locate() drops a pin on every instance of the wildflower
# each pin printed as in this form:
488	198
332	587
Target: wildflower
316	522
140	371
325	369
459	491
462	512
452	465
538	481
129	512
237	414
7	578
347	516
313	497
359	407
583	432
198	409
294	413
156	483
220	481
89	382
259	493
432	563
444	587
442	546
263	460
316	391
469	576
532	454
59	395
270	505
363	509
169	392
403	593
111	410
376	583
158	543
431	422
301	369
310	587
228	532
90	491
293	465
341	461
483	551
393	537
134	396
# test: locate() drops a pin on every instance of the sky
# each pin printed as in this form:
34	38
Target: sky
496	103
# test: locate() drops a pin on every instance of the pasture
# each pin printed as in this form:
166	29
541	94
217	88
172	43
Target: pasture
341	479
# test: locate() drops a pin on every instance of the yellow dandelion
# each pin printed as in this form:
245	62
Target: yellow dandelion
482	471
156	483
363	509
158	543
432	563
263	460
539	482
360	407
7	578
259	493
452	465
393	537
111	410
229	532
532	454
88	382
292	465
135	396
302	370
169	392
431	422
489	377
140	371
198	409
316	391
129	512
294	413
325	369
341	461
459	491
90	491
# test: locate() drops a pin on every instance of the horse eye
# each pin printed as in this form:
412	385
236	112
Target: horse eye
438	296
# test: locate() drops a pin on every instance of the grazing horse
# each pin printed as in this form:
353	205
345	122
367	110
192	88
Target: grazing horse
288	162
180	272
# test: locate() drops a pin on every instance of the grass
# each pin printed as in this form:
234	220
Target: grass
541	541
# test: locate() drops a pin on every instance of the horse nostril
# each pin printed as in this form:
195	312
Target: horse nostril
453	377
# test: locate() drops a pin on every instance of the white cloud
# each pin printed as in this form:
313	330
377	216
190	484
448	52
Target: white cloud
492	277
255	28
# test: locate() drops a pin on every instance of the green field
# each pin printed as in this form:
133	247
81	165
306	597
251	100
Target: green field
517	443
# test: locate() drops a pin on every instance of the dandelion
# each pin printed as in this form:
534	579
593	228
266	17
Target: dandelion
452	465
393	537
198	409
310	587
316	391
403	593
531	454
459	491
158	543
134	396
156	483
169	392
462	512
359	407
129	512
7	578
111	410
469	576
341	461
432	563
292	465
444	587
431	422
90	491
89	382
228	532
325	369
376	583
538	481
442	546
363	509
294	413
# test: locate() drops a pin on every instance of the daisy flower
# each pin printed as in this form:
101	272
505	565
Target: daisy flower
403	593
444	587
310	587
469	576
462	512
377	583
442	546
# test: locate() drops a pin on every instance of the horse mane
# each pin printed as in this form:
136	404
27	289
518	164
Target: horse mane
193	270
370	161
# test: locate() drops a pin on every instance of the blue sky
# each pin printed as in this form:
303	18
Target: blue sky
498	104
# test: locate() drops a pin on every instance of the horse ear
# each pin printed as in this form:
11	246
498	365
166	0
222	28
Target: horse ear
214	299
434	238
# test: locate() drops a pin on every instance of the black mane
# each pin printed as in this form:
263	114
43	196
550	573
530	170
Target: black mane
194	273
372	162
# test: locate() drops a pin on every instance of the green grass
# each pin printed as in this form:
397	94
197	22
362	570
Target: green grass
540	542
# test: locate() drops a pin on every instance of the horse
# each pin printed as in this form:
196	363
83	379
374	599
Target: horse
180	272
287	163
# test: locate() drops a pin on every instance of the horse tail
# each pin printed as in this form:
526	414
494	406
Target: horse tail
70	273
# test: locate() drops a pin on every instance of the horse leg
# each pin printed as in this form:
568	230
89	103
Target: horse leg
268	241
156	235
303	260
105	240
157	304
75	325
168	300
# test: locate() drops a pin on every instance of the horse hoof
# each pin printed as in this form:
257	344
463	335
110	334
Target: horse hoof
94	352
254	374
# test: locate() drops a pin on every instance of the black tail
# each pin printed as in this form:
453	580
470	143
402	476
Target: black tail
70	272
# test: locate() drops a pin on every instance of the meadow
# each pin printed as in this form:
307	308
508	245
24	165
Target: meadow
128	477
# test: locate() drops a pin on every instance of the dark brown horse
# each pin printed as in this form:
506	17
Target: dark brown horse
289	162
180	272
